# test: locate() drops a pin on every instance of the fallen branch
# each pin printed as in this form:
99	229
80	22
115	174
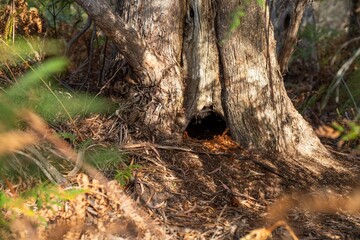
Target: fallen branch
181	149
236	156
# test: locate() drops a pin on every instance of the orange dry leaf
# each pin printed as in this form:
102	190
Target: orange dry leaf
16	140
328	132
220	143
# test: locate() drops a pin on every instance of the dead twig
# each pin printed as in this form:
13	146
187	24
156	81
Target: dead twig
39	164
126	204
218	220
59	178
148	145
339	78
78	165
78	35
165	147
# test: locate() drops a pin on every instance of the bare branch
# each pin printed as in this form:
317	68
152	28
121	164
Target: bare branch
147	66
291	35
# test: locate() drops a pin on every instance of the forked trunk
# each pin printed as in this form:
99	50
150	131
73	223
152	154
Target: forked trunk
204	64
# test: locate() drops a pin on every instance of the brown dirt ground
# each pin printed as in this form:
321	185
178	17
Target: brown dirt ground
205	189
210	189
213	196
215	189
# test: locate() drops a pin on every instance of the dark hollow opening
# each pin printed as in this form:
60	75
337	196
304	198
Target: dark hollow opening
206	125
287	21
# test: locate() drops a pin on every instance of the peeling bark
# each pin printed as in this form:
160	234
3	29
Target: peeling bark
151	44
190	55
201	58
255	119
146	64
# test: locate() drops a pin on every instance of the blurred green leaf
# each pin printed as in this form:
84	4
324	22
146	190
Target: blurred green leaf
67	135
352	133
33	78
7	117
26	49
104	158
56	108
123	176
261	3
338	127
54	104
237	15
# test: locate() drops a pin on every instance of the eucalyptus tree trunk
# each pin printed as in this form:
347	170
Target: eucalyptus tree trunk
182	33
186	58
256	106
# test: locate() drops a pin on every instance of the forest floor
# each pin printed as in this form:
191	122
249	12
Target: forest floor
208	195
208	189
215	189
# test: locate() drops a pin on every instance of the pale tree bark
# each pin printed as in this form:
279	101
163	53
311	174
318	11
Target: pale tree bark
258	111
184	33
145	63
154	61
194	61
291	35
201	58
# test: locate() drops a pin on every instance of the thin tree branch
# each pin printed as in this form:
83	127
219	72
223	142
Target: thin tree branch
338	78
291	35
146	64
78	35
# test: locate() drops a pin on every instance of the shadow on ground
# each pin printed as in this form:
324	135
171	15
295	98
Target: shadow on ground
202	194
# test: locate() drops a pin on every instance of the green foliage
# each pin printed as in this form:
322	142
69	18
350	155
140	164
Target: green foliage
68	136
13	166
9	28
311	102
32	79
35	91
46	98
105	158
324	44
322	38
240	12
349	94
7	117
261	3
43	195
26	50
55	12
123	176
111	161
236	18
351	131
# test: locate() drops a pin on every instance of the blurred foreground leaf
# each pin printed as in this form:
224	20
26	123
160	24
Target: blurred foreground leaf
43	96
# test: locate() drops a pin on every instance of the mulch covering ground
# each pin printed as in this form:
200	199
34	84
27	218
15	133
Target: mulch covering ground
208	189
